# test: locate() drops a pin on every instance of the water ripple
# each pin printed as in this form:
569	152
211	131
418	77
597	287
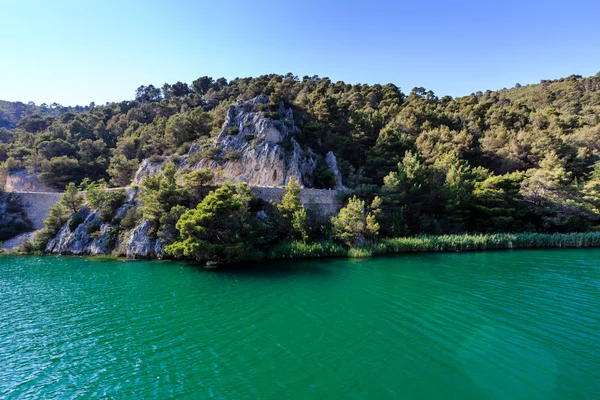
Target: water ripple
499	325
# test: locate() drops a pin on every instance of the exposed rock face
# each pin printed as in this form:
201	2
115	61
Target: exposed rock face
146	168
91	237
95	237
332	164
37	206
14	243
140	245
259	150
21	181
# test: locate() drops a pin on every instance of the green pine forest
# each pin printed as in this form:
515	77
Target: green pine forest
525	159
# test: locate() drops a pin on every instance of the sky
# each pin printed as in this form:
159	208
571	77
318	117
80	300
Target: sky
77	52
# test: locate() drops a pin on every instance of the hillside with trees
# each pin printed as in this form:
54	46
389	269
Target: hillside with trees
520	159
11	112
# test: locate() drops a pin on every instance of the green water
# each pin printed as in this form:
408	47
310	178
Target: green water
492	325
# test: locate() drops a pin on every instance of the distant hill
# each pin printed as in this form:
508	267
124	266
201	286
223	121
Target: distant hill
11	112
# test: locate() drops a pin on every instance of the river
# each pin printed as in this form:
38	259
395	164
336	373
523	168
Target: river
488	325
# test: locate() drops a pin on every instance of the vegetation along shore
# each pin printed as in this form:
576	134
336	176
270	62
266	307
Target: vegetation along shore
175	172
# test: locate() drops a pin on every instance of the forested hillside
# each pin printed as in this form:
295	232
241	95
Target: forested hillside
11	112
520	159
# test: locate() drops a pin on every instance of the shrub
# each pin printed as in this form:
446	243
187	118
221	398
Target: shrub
130	220
233	130
93	227
231	155
194	158
324	177
212	153
360	252
155	158
75	221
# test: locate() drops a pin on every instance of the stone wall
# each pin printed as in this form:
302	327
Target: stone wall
37	205
326	199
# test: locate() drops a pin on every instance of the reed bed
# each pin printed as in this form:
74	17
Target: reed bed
441	243
307	250
486	242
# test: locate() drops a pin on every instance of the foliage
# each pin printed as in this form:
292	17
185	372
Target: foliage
306	250
293	212
513	160
72	198
131	219
57	217
355	225
195	182
486	242
12	217
218	229
75	221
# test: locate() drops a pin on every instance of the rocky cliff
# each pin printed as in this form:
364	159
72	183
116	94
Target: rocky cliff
255	145
88	233
259	147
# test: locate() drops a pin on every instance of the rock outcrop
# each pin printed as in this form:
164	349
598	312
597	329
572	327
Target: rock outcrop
146	168
90	237
333	167
140	245
255	148
93	236
255	145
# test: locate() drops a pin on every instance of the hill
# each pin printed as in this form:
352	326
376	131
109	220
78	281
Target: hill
524	158
11	112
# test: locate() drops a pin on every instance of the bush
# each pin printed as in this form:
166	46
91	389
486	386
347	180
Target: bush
112	200
231	155
212	153
155	158
130	220
93	227
75	221
324	177
233	130
194	158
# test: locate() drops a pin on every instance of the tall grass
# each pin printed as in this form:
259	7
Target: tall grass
307	250
441	243
486	242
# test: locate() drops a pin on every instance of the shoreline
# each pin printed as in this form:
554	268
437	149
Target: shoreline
392	246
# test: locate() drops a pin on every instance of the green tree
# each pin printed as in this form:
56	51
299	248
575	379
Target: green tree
57	217
72	199
122	170
497	204
160	193
195	181
354	224
59	171
293	212
217	230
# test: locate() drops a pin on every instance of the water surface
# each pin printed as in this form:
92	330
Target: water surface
491	325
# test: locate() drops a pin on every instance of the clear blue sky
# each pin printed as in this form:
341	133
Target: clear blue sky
76	52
